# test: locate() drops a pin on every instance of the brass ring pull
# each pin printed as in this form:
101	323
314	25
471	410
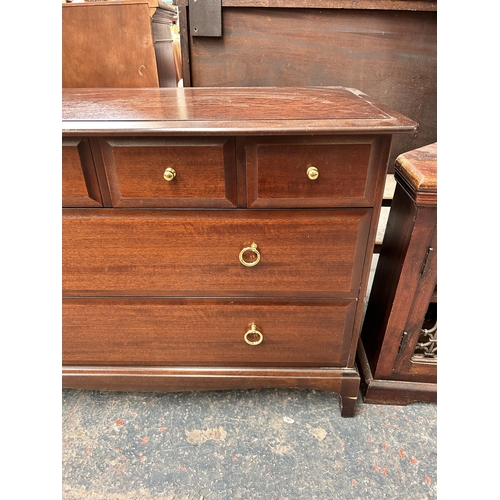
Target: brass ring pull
253	331
251	248
169	174
312	173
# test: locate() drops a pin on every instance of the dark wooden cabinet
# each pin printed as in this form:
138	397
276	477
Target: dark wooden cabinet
386	48
233	243
398	347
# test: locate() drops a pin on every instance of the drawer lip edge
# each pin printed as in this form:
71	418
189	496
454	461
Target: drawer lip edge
202	370
200	129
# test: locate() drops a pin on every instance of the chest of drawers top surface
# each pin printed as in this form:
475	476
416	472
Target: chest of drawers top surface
270	110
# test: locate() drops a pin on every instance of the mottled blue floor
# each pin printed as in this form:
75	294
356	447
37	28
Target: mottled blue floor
251	445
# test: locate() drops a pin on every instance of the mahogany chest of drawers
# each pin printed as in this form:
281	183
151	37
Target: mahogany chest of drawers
219	238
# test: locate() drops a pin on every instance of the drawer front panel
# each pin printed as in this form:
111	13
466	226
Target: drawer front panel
163	172
311	172
206	332
79	181
315	253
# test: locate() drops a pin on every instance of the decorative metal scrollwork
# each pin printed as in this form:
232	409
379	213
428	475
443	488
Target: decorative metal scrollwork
426	348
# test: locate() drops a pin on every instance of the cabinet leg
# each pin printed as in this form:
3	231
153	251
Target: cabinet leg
349	395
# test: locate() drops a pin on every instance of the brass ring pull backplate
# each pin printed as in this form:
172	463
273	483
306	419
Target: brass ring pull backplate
252	332
169	174
251	248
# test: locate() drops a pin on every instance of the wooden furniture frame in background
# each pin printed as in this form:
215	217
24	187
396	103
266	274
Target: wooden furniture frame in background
108	44
385	48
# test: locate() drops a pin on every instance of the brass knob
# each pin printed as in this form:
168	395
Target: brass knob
169	174
252	333
312	173
251	248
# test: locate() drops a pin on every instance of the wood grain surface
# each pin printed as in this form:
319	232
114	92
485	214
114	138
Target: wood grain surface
108	45
276	171
228	110
80	187
196	253
386	49
204	378
205	332
205	171
417	171
419	5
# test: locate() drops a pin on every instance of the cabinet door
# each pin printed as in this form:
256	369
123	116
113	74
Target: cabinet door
417	355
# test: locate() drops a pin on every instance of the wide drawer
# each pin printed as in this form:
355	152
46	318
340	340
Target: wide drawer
167	172
197	253
79	181
312	171
205	332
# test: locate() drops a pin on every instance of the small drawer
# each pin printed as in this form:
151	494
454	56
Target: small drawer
206	332
166	172
311	171
79	181
309	253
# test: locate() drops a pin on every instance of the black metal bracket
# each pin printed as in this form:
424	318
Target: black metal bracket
205	18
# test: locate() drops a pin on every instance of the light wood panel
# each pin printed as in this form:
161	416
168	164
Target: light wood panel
107	45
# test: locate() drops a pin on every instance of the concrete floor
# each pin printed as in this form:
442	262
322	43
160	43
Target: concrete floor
252	445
